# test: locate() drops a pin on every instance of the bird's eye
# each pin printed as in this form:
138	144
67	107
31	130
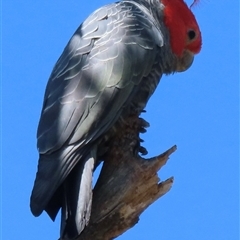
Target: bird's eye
191	34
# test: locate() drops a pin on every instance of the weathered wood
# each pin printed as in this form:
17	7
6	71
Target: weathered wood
127	185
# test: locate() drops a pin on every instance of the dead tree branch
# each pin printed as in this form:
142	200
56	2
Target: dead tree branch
127	185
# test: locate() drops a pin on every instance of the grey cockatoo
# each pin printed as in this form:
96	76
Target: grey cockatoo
108	70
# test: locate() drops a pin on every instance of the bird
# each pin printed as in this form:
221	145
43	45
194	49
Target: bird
108	70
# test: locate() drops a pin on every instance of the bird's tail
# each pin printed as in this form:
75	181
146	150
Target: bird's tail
76	209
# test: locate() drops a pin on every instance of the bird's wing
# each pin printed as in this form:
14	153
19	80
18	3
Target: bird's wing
99	69
93	80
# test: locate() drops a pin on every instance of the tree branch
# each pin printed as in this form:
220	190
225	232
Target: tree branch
127	184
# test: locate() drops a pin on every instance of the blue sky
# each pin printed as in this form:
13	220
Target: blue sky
198	110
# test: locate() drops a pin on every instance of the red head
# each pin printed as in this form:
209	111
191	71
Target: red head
184	31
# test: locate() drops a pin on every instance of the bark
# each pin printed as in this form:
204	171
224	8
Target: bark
127	185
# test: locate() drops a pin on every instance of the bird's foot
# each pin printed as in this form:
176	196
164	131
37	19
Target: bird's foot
142	125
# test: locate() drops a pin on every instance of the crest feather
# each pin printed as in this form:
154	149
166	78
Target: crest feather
195	2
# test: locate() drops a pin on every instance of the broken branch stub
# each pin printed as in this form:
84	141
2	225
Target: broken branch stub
127	185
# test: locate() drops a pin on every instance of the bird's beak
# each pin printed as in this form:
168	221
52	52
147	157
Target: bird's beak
185	61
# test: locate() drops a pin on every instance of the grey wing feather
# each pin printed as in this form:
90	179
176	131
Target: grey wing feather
94	79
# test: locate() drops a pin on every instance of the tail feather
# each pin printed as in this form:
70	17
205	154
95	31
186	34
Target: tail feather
77	189
53	169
